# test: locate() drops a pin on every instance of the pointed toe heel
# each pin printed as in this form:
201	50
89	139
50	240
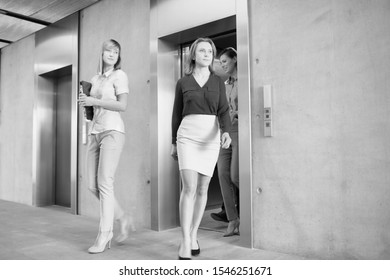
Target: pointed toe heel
180	257
195	252
233	228
101	245
126	225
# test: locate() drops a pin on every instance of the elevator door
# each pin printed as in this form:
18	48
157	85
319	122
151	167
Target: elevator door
63	141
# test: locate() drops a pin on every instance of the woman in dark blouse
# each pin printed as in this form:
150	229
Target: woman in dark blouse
200	112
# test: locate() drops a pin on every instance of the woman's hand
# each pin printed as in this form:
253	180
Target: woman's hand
174	151
85	100
225	140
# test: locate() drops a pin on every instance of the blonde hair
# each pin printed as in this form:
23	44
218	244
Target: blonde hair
108	45
191	58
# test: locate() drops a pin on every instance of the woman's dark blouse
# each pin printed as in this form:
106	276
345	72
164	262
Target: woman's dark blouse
210	99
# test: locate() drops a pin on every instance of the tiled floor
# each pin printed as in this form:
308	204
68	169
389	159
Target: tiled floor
49	233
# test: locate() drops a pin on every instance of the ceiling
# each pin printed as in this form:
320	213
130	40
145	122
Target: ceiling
21	18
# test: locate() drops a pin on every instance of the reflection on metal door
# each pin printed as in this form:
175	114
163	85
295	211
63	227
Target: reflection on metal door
63	132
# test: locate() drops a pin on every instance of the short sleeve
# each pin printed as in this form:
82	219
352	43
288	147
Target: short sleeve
121	82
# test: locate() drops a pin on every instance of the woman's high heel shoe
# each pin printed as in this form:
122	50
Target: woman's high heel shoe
100	245
195	252
182	258
233	228
126	225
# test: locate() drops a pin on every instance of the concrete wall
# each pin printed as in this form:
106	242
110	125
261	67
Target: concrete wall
126	21
16	120
186	14
321	183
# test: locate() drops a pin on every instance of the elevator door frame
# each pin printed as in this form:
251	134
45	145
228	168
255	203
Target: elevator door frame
164	171
56	51
46	125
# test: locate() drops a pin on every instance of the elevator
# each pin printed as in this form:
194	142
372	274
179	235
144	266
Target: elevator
55	109
228	20
55	115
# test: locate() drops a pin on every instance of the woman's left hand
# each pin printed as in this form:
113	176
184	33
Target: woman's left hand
85	100
225	140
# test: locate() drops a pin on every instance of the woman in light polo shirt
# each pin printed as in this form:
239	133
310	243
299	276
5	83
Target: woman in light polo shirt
105	142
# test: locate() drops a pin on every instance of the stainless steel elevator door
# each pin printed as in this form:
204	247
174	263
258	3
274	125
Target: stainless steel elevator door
63	141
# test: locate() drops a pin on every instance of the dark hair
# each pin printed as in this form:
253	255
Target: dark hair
230	52
191	58
107	45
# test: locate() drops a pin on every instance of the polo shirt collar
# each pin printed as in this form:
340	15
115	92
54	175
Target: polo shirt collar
108	73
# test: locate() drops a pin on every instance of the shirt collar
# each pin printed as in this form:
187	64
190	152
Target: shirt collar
231	80
108	73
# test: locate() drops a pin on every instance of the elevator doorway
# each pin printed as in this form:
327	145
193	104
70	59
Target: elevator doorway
54	132
55	126
166	37
165	172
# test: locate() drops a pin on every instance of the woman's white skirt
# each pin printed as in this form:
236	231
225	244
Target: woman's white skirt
198	143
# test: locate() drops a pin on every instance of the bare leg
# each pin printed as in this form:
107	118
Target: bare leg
199	207
186	206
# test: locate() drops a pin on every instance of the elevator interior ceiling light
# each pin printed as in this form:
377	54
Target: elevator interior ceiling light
19	19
